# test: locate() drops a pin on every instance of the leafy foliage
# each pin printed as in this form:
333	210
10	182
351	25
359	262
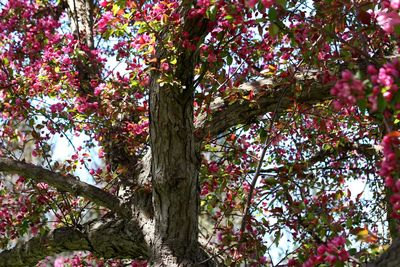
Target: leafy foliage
267	181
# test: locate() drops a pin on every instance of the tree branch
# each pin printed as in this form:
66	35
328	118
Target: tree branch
267	92
32	251
105	238
67	183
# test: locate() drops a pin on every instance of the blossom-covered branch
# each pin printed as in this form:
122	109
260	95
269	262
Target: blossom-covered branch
267	92
66	183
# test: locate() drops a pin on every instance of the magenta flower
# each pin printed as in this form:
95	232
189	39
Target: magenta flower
388	20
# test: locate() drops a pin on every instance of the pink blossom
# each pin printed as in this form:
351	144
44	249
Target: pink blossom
213	167
211	58
252	3
42	186
348	89
104	21
331	259
99	89
339	241
103	3
165	66
262	260
321	249
267	3
203	3
395	4
371	70
388	20
55	108
59	262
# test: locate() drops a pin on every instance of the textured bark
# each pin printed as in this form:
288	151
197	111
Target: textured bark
108	239
175	160
175	168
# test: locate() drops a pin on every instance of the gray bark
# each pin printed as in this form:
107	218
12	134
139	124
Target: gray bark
267	95
175	169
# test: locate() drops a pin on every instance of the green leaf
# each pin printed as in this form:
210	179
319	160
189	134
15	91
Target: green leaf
352	251
212	13
260	30
115	9
381	103
229	18
263	135
397	29
349	222
272	14
229	60
277	238
362	104
282	2
274	30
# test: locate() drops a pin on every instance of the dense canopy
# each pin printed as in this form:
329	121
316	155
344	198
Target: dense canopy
199	133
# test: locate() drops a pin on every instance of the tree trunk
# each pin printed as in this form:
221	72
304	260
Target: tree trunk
175	167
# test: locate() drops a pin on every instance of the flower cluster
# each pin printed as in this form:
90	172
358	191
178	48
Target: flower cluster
390	169
388	18
332	252
383	83
348	89
20	214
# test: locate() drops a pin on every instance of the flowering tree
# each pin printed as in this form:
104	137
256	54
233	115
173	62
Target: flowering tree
224	129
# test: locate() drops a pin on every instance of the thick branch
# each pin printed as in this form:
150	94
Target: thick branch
107	239
67	183
34	250
303	89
